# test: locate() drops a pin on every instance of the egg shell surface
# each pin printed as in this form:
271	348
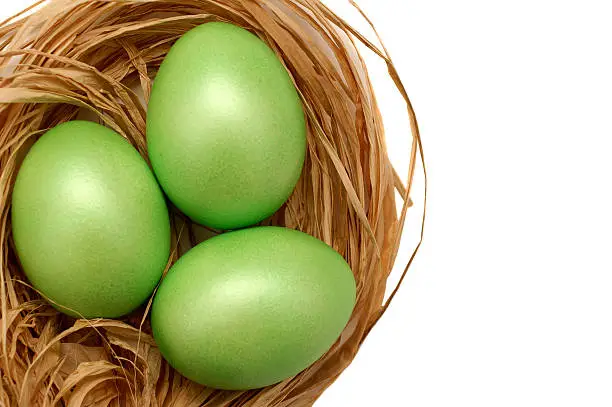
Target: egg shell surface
249	308
89	221
226	131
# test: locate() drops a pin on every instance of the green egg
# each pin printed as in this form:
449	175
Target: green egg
225	127
90	223
250	308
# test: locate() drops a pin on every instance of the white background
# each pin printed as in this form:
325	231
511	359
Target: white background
509	302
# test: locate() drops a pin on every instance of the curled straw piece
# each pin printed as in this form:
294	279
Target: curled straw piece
85	58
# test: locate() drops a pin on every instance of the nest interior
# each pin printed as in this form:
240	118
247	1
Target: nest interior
97	59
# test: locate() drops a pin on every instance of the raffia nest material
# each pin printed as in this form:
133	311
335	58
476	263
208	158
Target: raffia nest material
75	56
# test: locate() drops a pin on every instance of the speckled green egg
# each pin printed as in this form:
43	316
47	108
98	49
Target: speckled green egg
90	223
225	127
250	308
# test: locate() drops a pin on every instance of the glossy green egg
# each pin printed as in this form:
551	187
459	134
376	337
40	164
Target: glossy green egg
250	308
90	223
225	127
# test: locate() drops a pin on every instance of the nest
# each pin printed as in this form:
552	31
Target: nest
75	58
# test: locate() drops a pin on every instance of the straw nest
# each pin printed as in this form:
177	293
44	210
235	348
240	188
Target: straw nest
97	58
